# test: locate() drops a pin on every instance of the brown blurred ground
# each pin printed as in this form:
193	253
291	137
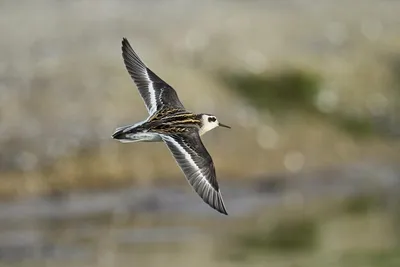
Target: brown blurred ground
64	88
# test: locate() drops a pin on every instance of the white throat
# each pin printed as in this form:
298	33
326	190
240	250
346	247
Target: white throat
207	126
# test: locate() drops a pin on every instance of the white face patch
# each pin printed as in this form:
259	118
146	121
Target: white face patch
209	123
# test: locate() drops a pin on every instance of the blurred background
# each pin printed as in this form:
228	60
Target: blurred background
309	172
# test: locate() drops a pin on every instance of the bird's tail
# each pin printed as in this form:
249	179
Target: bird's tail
121	132
134	133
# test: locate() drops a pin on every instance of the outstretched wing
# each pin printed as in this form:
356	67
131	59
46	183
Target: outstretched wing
198	167
154	91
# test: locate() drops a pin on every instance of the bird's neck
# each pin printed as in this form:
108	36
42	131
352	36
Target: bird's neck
206	127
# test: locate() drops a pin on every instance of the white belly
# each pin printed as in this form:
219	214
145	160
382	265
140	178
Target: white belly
141	137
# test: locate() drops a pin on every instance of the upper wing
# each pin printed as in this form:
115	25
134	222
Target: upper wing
154	91
198	167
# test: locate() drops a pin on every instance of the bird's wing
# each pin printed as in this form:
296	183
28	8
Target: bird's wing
198	167
154	91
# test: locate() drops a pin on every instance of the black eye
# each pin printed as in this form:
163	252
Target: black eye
211	119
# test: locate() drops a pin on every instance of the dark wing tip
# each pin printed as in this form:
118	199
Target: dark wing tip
127	49
222	210
133	63
209	194
221	206
125	43
216	202
129	54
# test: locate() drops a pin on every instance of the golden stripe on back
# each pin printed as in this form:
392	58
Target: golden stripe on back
172	120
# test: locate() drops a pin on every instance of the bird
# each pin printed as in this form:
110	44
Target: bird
178	128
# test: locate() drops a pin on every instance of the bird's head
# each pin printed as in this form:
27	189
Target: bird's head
209	122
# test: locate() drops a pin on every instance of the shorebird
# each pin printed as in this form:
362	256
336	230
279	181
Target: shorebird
178	128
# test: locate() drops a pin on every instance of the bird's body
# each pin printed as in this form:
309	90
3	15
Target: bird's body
165	121
171	123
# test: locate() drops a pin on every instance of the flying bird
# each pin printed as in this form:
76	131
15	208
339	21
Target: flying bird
178	128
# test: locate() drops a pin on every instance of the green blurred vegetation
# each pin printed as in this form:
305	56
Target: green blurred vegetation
394	67
293	90
355	126
288	90
287	235
361	204
384	258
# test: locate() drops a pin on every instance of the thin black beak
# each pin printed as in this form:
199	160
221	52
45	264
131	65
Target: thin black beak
223	125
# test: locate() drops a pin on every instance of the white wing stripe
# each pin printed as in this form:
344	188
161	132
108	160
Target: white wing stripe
152	94
188	158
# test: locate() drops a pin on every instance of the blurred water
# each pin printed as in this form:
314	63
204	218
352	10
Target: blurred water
71	226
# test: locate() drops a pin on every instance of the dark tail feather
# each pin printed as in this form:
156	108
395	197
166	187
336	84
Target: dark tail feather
118	134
